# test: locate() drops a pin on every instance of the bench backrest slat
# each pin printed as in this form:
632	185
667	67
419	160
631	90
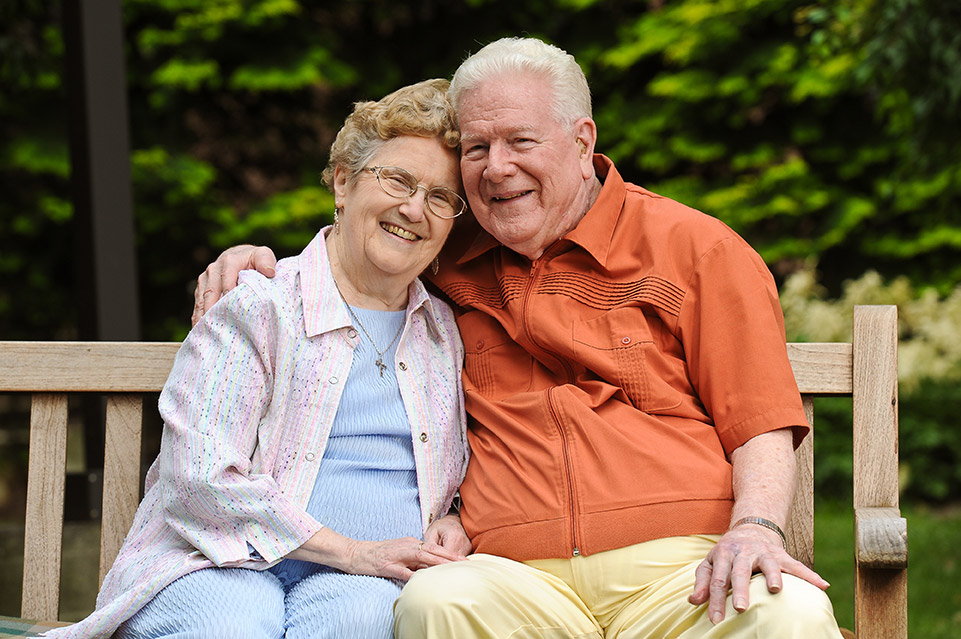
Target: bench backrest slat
121	478
43	532
96	367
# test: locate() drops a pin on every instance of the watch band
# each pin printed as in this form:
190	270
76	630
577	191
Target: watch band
766	523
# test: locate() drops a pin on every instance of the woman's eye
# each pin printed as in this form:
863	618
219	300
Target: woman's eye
398	182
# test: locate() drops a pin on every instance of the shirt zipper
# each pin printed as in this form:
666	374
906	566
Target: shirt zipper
565	446
535	266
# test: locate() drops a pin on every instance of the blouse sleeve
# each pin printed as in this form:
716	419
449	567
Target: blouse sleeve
213	405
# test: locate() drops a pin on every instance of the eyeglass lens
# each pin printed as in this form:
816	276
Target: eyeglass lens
400	183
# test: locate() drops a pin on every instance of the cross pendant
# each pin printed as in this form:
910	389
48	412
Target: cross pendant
381	365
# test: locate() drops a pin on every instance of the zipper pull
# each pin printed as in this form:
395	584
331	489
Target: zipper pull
577	551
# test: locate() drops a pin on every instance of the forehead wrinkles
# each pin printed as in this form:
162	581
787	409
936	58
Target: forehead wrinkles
478	123
501	107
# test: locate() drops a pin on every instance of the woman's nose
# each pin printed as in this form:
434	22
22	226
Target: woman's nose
415	206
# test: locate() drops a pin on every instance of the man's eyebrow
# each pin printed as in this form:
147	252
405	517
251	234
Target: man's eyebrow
512	131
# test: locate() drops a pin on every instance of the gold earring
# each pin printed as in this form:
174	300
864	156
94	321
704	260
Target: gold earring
435	266
336	219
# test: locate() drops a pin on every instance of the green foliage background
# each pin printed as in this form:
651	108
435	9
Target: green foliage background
814	128
826	132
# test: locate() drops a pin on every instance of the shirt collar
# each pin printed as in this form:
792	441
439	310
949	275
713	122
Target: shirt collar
595	230
325	311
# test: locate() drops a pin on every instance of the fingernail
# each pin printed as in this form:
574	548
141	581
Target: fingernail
716	618
740	605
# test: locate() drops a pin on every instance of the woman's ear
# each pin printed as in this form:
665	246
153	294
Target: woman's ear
340	186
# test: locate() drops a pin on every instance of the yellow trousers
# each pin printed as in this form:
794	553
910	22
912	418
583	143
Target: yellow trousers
638	592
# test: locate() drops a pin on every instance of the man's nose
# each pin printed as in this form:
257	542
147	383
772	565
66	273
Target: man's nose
500	163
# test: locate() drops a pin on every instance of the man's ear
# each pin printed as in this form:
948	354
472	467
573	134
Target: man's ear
585	135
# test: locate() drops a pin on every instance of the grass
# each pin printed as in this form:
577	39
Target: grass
934	573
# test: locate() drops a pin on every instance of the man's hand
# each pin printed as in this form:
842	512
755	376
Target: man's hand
221	275
740	553
448	532
763	481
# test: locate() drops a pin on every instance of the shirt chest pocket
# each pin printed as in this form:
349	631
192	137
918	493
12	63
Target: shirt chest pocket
619	348
494	365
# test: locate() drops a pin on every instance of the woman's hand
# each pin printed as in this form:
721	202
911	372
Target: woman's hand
390	558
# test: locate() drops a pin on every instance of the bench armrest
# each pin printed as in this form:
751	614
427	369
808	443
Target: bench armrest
881	538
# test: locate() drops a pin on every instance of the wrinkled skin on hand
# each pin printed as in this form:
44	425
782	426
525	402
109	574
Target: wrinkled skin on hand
221	275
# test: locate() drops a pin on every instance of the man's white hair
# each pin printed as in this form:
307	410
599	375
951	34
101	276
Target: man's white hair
513	56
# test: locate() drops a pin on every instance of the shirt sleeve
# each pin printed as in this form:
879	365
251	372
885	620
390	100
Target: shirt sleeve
213	406
733	334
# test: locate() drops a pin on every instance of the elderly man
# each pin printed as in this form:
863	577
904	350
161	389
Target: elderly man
633	409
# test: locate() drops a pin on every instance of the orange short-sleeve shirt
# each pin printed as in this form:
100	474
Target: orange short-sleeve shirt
608	381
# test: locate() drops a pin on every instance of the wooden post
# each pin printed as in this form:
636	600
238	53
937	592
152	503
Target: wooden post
881	593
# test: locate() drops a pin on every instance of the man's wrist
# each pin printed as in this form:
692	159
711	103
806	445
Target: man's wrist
454	506
765	523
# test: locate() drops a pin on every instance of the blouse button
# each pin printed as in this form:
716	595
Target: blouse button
309	457
423	437
625	340
430	518
333	379
480	344
403	366
351	333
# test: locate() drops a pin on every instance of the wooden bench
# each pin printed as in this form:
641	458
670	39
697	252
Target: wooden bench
865	370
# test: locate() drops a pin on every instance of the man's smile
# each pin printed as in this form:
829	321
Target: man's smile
504	197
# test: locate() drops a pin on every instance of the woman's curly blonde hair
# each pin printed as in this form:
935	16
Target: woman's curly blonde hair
420	109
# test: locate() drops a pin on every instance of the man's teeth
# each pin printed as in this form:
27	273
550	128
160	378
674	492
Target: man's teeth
502	198
399	232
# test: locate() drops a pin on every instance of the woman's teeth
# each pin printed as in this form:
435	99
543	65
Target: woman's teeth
399	232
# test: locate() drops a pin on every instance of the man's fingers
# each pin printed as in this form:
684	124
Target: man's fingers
798	569
264	261
199	299
222	274
702	581
723	562
741	573
771	568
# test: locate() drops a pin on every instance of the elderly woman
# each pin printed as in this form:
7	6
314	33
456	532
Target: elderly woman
314	430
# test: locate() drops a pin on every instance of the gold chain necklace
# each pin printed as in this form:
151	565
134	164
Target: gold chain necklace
380	353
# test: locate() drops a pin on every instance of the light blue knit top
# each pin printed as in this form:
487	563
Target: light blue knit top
366	486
